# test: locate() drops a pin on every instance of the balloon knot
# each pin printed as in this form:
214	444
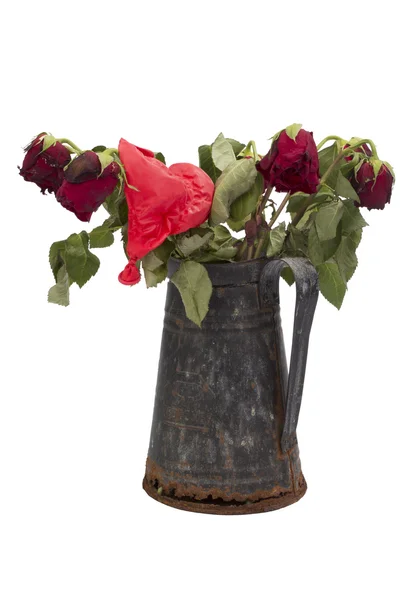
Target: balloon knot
131	274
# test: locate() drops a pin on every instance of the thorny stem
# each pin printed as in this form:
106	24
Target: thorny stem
261	240
250	252
279	210
242	249
267	228
264	200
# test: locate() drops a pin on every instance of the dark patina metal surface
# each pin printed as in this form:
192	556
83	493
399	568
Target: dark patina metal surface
223	437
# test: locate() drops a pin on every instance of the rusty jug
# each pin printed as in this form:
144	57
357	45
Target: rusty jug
223	437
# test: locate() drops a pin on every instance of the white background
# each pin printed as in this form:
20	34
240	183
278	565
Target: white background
77	383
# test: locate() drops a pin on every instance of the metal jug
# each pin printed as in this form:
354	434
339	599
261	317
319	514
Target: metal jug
223	437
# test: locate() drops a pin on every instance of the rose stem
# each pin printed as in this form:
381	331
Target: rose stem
267	229
74	146
329	137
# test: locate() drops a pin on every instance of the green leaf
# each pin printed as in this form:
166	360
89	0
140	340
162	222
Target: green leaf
287	275
352	218
163	252
80	262
189	244
207	164
56	257
356	236
331	283
237	146
101	237
237	179
99	148
222	235
160	156
296	202
296	241
59	293
195	287
247	202
315	248
155	270
151	261
293	130
346	258
324	192
115	204
328	218
238	225
276	240
330	246
222	254
222	153
155	263
153	278
345	189
326	157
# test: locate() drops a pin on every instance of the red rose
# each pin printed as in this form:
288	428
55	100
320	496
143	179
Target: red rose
291	165
85	187
45	168
374	192
169	200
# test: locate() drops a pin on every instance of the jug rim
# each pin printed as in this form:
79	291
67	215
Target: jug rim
229	273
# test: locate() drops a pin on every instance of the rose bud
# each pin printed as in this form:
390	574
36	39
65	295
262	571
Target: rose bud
373	191
291	165
85	186
84	167
45	167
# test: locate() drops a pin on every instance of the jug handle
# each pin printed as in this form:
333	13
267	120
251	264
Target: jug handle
306	278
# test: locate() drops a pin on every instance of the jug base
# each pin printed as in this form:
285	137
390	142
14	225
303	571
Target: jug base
226	508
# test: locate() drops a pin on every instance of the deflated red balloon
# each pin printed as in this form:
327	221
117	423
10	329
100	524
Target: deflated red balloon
169	200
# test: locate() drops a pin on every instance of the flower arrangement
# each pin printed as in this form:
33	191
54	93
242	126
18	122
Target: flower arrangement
221	211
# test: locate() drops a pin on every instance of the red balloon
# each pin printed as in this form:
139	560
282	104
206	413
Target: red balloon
169	200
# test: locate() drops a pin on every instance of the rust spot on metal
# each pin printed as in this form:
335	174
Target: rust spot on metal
180	323
214	500
205	387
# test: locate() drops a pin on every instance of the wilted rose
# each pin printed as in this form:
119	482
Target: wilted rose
45	167
291	165
86	186
374	192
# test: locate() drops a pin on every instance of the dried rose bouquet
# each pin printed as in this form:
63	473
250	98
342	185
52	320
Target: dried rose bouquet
221	211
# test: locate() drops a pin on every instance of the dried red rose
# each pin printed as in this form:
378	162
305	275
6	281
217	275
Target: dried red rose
45	168
291	165
168	201
374	192
85	186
